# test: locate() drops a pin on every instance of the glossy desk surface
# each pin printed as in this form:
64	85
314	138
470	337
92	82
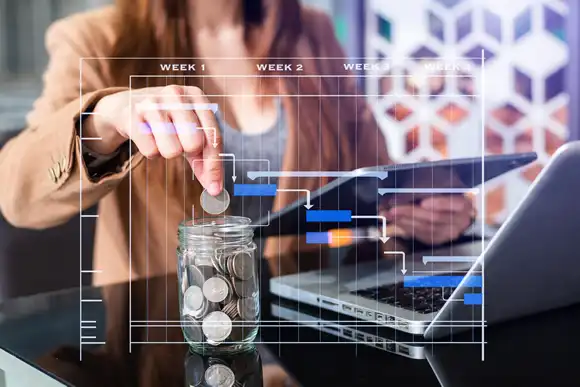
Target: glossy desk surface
44	331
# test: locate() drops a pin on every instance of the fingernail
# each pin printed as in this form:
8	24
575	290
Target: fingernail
214	188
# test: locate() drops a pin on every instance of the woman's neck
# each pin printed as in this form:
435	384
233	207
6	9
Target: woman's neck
213	15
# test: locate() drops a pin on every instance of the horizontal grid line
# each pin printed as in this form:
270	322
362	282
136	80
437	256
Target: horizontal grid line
326	95
377	325
308	321
420	343
347	59
341	322
303	75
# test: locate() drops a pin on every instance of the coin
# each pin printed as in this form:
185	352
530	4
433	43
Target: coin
231	309
247	308
193	298
230	297
223	260
215	205
219	375
217	326
215	289
196	275
245	288
191	329
230	265
243	265
215	260
194	370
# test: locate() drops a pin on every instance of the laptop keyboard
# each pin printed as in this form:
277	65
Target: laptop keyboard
420	300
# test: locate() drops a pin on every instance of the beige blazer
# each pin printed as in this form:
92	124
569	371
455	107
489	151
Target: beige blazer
43	173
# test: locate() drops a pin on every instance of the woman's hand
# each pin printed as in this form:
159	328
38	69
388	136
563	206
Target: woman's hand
435	220
159	132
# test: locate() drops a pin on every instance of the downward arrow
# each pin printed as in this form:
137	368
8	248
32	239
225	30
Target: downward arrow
233	156
384	238
401	253
307	205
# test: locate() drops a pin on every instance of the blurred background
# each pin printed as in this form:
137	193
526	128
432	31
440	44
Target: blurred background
531	49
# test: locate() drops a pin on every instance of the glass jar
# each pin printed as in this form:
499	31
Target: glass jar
242	369
218	278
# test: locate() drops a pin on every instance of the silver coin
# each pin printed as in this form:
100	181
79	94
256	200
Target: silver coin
215	259
194	370
219	375
192	330
193	298
230	265
245	288
196	275
223	260
231	294
247	308
215	289
215	205
217	326
243	265
231	309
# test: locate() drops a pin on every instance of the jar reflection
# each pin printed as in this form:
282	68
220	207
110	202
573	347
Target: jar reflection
240	370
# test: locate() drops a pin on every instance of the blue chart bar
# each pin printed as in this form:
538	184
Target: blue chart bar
318	238
472	298
329	216
438	281
254	189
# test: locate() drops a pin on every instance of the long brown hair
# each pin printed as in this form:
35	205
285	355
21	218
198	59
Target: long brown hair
158	29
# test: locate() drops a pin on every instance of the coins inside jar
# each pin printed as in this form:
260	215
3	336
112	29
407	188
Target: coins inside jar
220	282
217	326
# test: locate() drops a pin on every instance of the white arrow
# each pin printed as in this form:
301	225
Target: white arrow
233	156
214	135
384	238
307	205
401	253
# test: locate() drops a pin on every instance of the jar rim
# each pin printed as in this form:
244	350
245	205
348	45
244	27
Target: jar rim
215	221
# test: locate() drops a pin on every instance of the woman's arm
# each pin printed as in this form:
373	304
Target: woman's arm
42	169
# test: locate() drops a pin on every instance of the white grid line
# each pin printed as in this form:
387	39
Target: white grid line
270	95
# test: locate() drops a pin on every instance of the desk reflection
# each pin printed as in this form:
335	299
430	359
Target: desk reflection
159	355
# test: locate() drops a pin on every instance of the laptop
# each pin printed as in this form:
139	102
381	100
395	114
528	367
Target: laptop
350	329
529	266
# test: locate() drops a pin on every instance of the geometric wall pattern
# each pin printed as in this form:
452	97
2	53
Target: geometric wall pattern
437	115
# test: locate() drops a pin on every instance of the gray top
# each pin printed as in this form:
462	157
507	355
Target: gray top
254	152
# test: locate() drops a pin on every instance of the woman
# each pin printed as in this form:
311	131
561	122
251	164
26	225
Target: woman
140	211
